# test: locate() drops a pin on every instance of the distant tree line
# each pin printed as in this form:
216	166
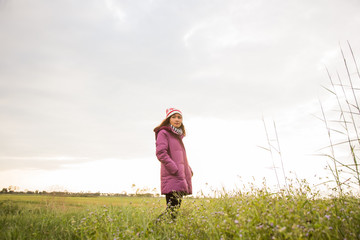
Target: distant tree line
13	190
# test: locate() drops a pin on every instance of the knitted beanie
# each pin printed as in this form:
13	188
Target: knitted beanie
172	111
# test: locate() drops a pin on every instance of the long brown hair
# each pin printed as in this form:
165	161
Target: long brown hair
166	122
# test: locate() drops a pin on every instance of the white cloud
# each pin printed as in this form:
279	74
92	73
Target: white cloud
115	7
330	58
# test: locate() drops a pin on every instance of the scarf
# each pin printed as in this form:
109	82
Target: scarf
176	130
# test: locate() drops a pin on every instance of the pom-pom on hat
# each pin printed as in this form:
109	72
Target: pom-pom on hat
172	111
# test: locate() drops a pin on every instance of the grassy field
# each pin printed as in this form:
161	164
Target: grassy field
259	214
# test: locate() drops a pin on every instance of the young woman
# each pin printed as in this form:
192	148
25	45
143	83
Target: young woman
170	151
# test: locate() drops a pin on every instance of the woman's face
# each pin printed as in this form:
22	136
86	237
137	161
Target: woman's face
176	120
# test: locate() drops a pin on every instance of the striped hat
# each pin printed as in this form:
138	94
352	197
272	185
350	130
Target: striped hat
172	111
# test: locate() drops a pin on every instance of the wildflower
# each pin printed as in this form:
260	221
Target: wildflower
260	226
220	213
236	221
330	228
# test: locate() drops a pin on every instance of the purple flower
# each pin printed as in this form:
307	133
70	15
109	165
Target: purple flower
260	226
220	213
327	216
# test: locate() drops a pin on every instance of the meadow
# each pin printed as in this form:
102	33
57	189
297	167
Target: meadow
295	213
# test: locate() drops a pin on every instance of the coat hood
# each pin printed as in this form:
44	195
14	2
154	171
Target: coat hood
167	128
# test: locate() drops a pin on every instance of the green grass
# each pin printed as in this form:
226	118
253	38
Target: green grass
259	214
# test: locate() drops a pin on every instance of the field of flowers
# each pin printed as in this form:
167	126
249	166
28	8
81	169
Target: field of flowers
295	213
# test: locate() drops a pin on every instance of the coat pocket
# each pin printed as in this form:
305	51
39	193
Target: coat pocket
181	172
172	168
178	160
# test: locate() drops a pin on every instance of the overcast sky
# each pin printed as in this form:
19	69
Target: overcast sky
83	84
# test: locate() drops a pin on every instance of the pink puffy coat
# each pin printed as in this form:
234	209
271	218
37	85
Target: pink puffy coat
175	170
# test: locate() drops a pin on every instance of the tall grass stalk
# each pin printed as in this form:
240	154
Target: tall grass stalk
334	170
280	155
349	76
347	125
277	149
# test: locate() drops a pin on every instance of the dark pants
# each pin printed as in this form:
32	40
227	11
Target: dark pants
173	202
